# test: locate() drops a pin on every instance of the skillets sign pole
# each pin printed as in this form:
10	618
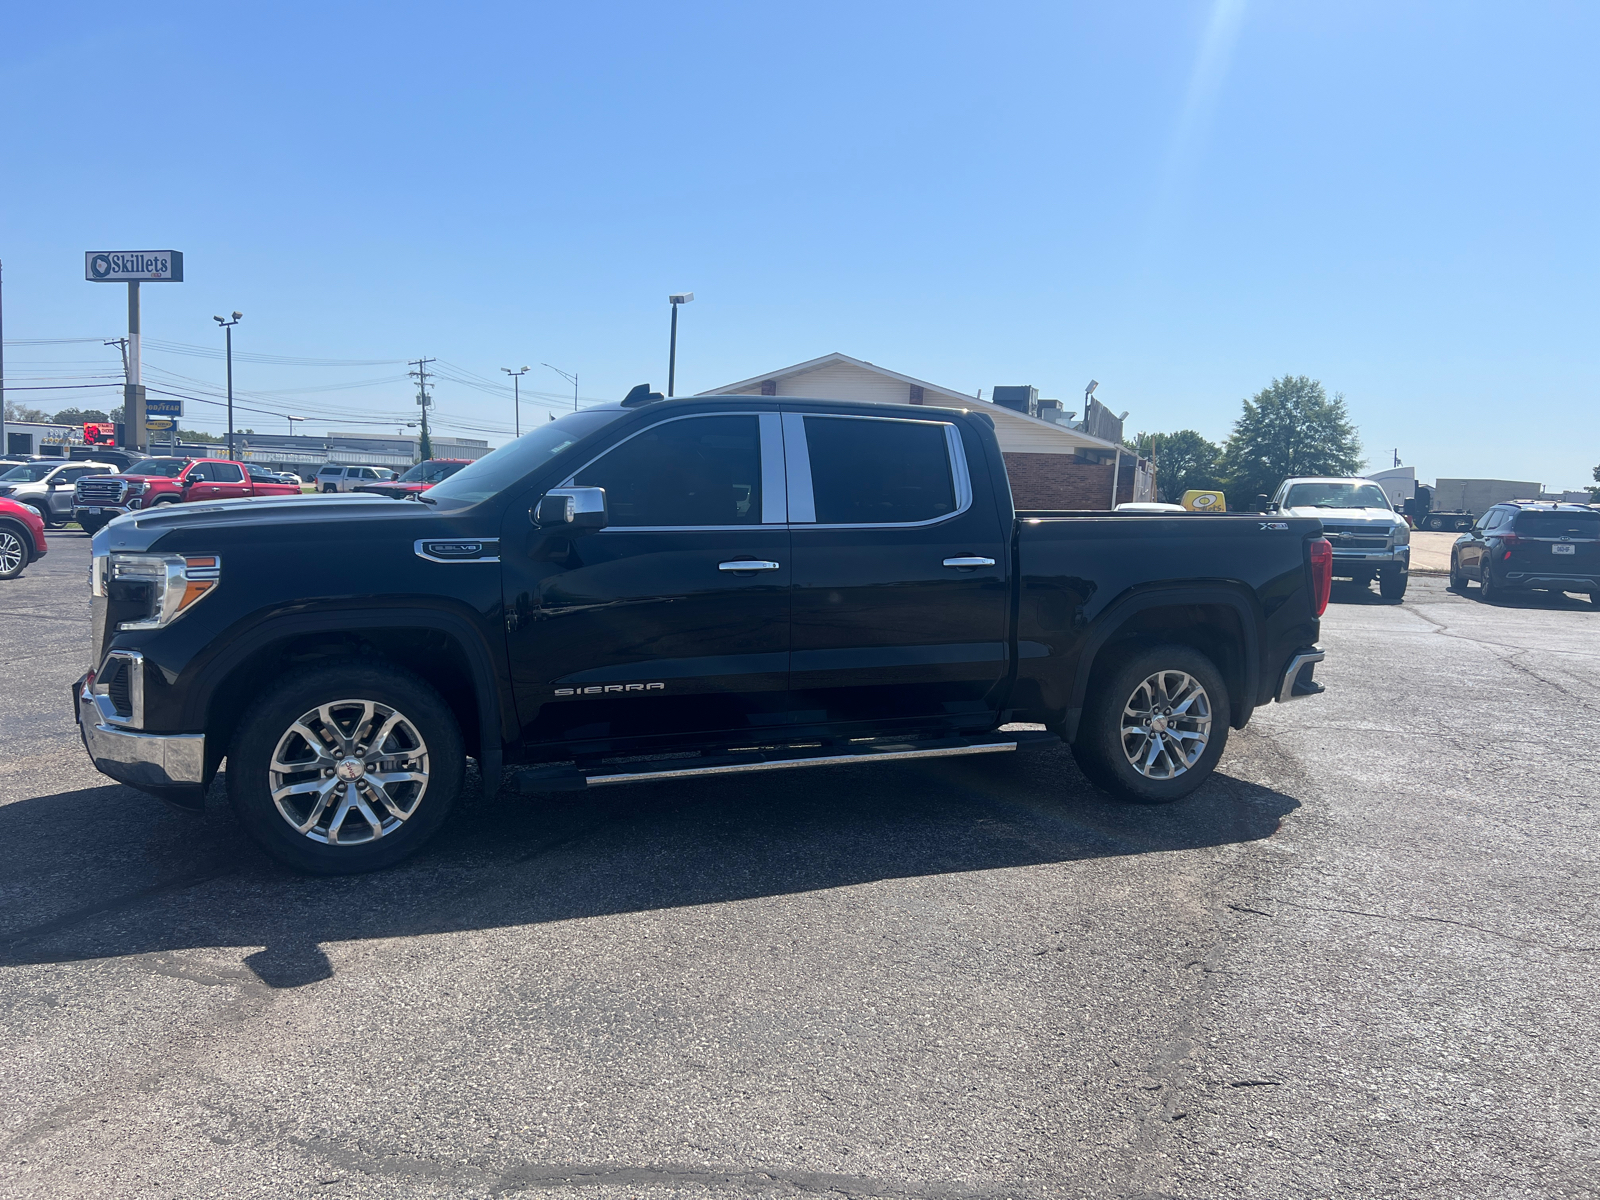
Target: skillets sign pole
133	267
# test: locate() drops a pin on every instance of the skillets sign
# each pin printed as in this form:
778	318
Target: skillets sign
133	266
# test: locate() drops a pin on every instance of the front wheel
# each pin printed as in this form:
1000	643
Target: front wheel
1154	728
346	768
1434	523
13	553
1392	584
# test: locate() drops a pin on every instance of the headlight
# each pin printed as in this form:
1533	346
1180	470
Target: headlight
160	586
135	489
1401	534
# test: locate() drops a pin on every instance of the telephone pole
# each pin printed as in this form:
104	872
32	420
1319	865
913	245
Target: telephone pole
425	401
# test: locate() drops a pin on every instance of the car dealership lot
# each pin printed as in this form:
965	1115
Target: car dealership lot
1357	963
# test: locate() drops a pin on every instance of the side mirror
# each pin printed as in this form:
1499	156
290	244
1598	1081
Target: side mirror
572	510
1263	504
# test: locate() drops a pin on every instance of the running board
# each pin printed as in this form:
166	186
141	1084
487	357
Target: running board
562	779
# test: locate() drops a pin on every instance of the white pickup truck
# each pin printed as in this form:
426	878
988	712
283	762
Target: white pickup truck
1370	540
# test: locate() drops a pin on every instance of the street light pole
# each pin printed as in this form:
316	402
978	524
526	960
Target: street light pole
675	299
516	394
572	379
227	328
291	421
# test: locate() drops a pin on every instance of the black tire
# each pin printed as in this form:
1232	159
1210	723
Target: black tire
1103	752
16	549
1458	577
298	695
1434	522
160	500
328	489
1392	584
1488	589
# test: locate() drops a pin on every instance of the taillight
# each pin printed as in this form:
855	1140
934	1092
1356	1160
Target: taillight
1509	541
1321	573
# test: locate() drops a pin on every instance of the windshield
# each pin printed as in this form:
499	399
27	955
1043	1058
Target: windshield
1336	495
495	472
28	472
430	472
167	468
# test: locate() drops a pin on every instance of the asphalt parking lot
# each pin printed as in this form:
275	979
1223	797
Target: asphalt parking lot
1358	963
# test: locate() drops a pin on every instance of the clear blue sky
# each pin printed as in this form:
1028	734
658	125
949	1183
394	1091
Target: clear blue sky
1181	200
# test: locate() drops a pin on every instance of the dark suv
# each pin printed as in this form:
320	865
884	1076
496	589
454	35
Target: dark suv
1525	546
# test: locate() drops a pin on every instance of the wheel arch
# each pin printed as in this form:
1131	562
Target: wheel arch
1221	622
21	527
442	648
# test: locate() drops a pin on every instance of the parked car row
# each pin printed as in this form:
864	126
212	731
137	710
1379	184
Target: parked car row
155	481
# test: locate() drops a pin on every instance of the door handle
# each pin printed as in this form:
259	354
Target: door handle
968	563
748	564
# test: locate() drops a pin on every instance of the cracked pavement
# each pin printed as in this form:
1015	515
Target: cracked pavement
1358	963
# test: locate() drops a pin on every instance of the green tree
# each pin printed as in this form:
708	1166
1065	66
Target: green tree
18	412
1594	492
1289	428
77	416
1184	460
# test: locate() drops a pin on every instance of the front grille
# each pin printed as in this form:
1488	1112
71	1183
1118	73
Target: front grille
1354	537
100	491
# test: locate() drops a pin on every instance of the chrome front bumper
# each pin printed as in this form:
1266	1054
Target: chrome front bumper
1297	682
170	766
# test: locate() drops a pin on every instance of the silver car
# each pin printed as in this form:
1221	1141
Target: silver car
46	485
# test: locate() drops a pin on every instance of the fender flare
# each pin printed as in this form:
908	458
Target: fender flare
1116	615
480	664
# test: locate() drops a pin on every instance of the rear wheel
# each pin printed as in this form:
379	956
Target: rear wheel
1434	522
13	552
1488	589
1458	577
1392	584
346	768
1155	726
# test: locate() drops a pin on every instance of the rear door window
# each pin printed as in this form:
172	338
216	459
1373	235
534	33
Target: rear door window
867	471
694	472
222	472
1558	525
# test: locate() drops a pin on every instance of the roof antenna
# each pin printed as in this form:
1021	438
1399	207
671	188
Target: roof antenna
641	395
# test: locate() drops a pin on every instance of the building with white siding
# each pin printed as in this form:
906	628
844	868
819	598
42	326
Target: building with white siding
1051	465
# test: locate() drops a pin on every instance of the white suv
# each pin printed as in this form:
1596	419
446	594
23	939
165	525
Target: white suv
46	486
334	477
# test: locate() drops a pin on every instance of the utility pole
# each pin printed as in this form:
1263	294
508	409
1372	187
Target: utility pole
516	393
573	380
425	400
228	329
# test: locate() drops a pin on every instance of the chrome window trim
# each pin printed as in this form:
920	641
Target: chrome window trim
955	453
797	481
774	500
762	429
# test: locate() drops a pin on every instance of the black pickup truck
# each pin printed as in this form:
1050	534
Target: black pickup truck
657	589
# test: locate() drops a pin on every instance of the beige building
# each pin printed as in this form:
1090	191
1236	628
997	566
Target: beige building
1050	464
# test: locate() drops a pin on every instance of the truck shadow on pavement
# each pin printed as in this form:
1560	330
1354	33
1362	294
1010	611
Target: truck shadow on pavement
106	872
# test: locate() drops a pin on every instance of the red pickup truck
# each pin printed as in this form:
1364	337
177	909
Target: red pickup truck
153	481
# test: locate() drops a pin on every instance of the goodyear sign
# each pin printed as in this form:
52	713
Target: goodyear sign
133	266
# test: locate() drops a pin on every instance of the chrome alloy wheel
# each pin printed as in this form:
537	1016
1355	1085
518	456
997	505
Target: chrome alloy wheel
1166	724
348	772
10	552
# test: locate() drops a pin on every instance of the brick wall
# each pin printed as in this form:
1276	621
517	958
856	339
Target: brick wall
1063	481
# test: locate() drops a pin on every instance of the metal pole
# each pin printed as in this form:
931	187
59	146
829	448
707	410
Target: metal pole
1116	469
228	329
516	400
672	354
133	402
574	393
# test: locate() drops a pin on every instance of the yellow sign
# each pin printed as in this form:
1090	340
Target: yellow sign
1205	501
158	424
